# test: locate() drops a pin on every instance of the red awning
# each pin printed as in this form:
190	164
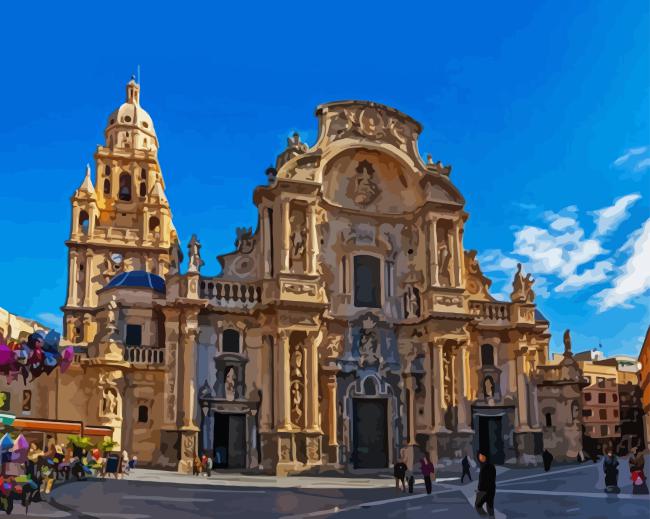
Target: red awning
51	426
98	430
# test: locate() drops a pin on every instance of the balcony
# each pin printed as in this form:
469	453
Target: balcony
230	294
144	355
493	313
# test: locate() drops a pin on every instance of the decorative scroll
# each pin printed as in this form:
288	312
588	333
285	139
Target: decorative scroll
297	384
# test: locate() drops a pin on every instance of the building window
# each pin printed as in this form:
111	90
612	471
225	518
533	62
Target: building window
230	341
107	186
125	187
586	412
84	221
344	275
549	420
133	335
143	414
615	413
367	281
154	224
487	355
602	414
602	398
587	397
614	397
603	430
143	189
390	268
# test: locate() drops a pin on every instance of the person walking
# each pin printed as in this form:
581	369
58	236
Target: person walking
428	471
547	458
410	479
399	472
208	466
637	473
610	467
487	486
466	469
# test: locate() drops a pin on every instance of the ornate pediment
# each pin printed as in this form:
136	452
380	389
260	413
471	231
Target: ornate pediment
478	285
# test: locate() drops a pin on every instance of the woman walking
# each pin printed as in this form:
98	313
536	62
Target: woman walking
428	470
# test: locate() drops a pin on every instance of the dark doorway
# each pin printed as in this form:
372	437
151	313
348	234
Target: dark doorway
229	441
370	434
490	438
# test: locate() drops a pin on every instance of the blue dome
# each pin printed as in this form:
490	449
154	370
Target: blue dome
138	278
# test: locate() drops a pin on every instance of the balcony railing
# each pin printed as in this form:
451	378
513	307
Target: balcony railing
488	311
230	293
144	355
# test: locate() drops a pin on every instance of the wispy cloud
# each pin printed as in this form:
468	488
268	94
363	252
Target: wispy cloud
634	279
632	152
609	218
642	164
49	319
590	276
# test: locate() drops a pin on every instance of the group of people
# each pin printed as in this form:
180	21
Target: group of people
636	463
405	476
202	465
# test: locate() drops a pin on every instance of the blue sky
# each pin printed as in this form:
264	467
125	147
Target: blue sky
542	109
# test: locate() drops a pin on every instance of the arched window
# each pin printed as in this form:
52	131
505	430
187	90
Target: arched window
367	281
230	341
487	355
143	189
83	221
143	414
107	186
154	224
125	187
107	171
549	420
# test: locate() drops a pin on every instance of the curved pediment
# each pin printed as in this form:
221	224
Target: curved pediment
371	180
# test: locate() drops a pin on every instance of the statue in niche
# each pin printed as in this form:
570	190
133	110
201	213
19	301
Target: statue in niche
446	370
368	348
298	237
365	188
296	362
488	387
244	241
444	264
109	403
230	384
195	261
412	301
296	402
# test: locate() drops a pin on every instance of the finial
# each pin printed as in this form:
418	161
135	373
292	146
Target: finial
567	342
429	158
132	77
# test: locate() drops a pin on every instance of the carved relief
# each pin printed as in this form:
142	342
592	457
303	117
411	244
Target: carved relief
230	384
298	236
364	188
297	384
285	449
110	402
412	302
444	261
368	348
476	282
447	377
299	289
313	449
449	300
334	346
188	446
244	241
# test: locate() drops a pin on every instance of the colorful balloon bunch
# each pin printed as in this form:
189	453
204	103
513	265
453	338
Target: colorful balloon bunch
13	487
40	354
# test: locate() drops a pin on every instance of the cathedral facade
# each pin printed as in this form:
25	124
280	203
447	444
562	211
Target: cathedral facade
350	329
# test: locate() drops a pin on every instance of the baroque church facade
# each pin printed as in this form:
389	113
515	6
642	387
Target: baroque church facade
350	329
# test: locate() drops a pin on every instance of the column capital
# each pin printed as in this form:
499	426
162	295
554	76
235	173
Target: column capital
431	217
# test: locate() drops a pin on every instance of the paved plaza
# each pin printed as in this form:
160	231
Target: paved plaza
565	491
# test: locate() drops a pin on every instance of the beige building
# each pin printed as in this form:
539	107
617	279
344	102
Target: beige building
350	328
644	383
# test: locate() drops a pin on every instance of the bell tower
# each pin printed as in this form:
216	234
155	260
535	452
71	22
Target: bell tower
121	221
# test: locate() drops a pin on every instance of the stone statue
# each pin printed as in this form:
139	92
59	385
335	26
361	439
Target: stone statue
488	387
110	402
195	261
111	320
296	362
444	264
368	348
244	241
518	294
412	301
365	188
529	295
298	238
230	383
567	342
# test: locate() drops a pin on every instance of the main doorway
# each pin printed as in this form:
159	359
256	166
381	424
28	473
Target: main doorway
370	433
490	438
229	441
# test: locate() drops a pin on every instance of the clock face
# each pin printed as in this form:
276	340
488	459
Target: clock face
116	258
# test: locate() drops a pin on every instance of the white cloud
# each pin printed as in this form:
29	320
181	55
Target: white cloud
629	154
49	319
609	218
634	279
493	260
590	276
642	164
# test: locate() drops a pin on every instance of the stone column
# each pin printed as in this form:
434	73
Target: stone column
72	279
462	365
75	220
433	251
286	235
145	224
188	398
522	391
428	392
409	382
88	270
312	241
171	369
92	215
534	402
282	372
333	416
266	241
458	252
440	387
266	418
311	383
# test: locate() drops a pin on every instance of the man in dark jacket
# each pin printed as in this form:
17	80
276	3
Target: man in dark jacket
465	465
487	486
399	471
547	457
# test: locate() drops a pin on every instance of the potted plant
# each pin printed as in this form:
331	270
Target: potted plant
79	444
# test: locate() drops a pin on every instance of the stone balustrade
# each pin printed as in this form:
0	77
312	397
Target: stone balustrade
490	311
230	293
144	355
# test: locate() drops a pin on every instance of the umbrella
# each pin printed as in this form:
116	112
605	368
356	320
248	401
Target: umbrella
6	442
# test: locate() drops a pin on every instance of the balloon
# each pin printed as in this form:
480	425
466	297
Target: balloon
21	443
6	355
66	359
6	442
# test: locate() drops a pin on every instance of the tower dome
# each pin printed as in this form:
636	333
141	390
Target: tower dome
130	126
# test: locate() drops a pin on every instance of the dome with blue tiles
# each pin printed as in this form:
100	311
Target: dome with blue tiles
137	279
